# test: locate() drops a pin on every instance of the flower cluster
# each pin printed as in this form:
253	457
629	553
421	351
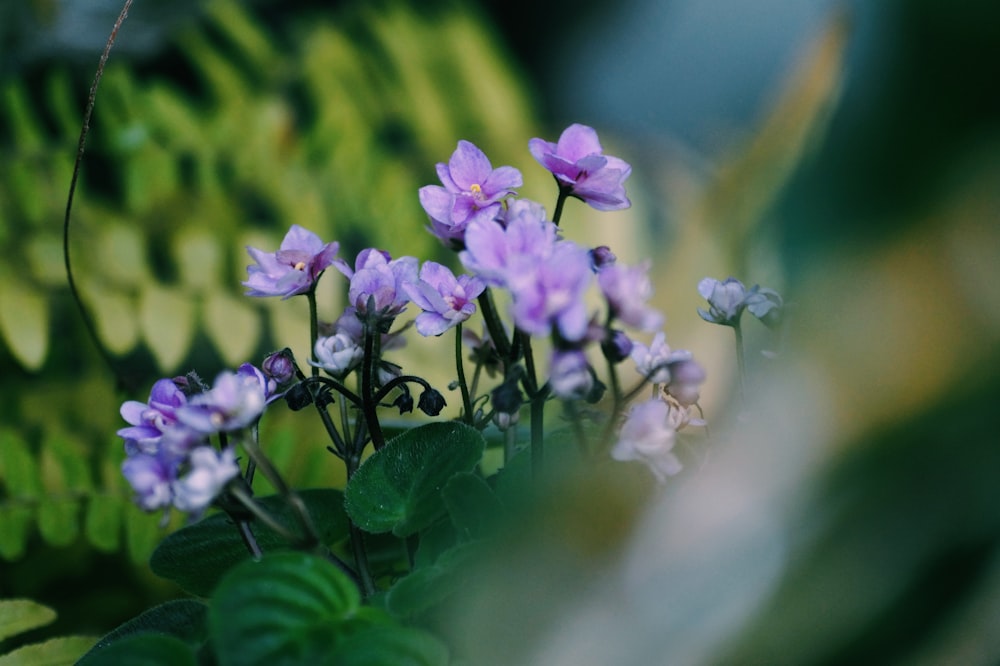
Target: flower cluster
169	459
506	244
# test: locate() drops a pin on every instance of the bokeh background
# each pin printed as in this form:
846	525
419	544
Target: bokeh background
844	153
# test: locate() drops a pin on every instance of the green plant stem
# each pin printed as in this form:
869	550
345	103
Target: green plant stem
494	326
313	325
740	361
368	402
537	401
358	539
460	369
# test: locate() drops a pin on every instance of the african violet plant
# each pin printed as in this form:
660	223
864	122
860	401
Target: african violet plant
324	575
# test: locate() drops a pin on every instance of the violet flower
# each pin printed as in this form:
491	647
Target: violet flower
472	189
766	305
627	288
494	252
209	472
550	295
646	436
338	354
726	301
570	377
582	169
379	279
151	476
149	421
444	299
293	269
235	401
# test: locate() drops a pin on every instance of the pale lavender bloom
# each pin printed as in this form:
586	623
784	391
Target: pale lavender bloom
444	299
494	252
293	269
209	472
380	279
686	377
647	436
549	295
653	361
235	401
472	190
766	305
350	324
279	367
338	354
627	290
570	377
726	300
580	166
518	208
269	386
151	420
151	476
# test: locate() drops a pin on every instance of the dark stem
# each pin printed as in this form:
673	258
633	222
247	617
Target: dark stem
313	325
494	326
368	401
358	538
560	202
460	368
740	361
537	400
88	321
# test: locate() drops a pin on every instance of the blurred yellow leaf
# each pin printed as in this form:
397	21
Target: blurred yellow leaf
24	320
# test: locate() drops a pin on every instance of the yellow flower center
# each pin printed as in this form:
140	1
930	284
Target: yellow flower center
301	266
476	188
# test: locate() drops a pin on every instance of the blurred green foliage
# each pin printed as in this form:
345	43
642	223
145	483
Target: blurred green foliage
331	119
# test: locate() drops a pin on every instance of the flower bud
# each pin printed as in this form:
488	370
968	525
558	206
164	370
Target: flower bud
431	402
617	346
279	366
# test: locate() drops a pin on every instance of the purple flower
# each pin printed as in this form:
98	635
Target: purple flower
472	190
379	278
209	472
494	252
549	295
235	400
293	269
444	299
653	361
627	288
676	370
646	436
279	367
151	476
726	300
151	421
569	374
579	165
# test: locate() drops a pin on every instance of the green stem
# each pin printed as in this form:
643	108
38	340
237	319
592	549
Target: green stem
537	400
460	368
358	539
313	325
494	326
368	402
740	361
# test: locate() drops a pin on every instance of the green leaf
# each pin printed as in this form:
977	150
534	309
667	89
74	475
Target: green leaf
281	610
103	522
428	586
24	321
385	644
115	317
53	652
15	522
472	506
398	488
20	615
232	325
58	520
167	320
143	650
197	556
181	620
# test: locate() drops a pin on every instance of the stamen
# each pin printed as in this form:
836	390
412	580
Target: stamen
301	266
476	188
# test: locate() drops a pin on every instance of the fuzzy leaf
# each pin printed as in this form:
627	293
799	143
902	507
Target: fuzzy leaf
215	544
143	650
385	644
398	488
20	615
183	620
428	586
283	609
471	504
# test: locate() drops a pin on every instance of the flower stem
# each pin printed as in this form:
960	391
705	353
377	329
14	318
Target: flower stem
358	539
494	325
740	361
313	325
560	202
537	399
368	401
460	369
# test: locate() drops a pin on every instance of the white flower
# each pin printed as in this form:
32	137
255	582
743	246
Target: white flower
647	436
210	472
337	354
651	361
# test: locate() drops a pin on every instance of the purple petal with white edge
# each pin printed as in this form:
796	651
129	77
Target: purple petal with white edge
438	276
431	323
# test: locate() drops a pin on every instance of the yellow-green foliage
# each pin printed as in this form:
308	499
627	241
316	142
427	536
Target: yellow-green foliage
334	129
